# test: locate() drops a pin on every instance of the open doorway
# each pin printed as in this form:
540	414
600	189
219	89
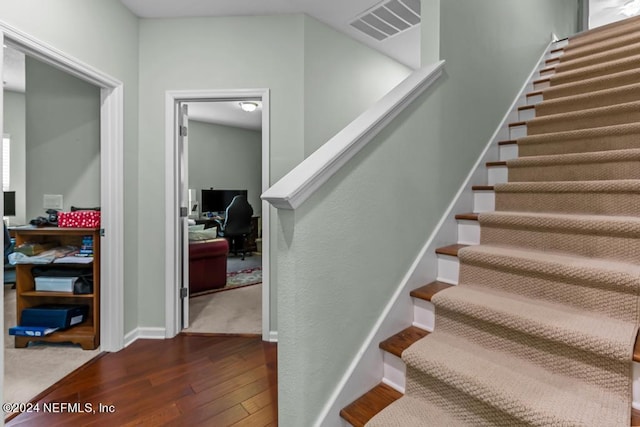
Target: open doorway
185	190
224	177
110	146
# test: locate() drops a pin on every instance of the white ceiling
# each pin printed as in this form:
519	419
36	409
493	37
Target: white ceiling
404	47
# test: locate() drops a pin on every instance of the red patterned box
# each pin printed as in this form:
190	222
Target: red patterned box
79	219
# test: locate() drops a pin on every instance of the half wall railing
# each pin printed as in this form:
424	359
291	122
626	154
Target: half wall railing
301	182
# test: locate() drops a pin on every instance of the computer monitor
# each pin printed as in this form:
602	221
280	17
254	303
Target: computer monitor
9	203
218	200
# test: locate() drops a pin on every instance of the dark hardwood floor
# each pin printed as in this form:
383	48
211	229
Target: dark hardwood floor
190	380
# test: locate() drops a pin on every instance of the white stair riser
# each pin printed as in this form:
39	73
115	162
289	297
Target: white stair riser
547	73
541	85
448	269
527	114
484	201
559	44
394	372
424	314
508	152
534	99
552	55
468	232
497	175
516	132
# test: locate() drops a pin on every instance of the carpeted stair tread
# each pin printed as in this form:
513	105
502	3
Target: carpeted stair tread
597	70
409	411
606	197
616	137
605	32
599	236
589	100
503	384
606	287
614	54
546	320
604	45
629	186
590	166
605	225
607	81
628	112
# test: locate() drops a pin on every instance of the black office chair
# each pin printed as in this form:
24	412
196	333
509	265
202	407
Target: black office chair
237	224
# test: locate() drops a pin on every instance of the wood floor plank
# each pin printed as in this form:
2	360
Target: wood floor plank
188	380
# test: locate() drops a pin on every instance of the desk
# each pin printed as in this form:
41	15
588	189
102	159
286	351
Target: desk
251	238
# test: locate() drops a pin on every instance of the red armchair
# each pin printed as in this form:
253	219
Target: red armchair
207	265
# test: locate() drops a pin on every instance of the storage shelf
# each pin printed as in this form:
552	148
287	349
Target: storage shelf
55	294
86	334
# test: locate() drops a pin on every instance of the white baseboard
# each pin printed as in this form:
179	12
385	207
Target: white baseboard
273	336
144	333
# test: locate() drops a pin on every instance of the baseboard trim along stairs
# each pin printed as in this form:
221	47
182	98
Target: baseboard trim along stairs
551	244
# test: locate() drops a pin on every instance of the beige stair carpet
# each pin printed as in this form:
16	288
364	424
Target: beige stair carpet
541	328
617	137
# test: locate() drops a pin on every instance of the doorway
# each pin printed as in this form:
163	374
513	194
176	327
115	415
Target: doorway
110	176
178	209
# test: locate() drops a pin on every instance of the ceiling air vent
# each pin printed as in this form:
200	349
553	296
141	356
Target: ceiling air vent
389	18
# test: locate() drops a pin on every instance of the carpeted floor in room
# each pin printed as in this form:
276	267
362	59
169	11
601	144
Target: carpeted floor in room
232	311
29	371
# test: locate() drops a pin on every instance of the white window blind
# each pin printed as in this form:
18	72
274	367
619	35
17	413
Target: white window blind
6	162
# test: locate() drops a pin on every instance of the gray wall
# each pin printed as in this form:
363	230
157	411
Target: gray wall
103	35
336	279
226	157
215	53
342	78
15	126
63	138
239	52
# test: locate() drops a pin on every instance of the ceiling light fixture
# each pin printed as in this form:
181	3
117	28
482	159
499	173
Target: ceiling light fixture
249	106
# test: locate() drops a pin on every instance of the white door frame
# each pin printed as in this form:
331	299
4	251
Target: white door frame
172	236
111	181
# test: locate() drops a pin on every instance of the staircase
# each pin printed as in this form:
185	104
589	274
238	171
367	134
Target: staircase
546	311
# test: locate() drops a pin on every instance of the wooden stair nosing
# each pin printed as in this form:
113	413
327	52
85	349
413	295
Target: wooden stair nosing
471	216
560	49
527	107
544	80
516	124
482	188
508	142
534	93
498	163
451	250
401	341
360	411
427	291
548	69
